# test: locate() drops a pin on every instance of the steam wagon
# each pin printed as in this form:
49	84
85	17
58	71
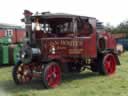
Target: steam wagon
58	43
11	38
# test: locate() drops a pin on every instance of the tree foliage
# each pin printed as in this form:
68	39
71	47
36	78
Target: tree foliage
121	28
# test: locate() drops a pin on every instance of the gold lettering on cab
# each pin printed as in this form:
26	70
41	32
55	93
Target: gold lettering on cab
75	51
66	43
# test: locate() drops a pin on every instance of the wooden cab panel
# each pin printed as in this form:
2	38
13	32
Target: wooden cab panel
77	44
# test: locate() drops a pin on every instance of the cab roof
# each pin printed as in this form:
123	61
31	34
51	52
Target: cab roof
48	15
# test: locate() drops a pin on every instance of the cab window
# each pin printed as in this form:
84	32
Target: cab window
53	27
84	28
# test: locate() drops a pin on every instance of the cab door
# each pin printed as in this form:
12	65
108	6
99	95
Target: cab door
87	34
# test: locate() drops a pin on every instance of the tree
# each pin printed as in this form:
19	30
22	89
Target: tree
121	28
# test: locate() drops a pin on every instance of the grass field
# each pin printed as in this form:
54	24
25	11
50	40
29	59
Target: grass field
84	84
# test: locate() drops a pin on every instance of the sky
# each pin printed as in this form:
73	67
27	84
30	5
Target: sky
107	11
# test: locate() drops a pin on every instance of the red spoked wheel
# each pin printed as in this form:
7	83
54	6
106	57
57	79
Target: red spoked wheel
51	75
108	65
22	73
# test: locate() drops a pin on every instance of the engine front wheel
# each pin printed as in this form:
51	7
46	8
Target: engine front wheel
51	75
107	64
22	73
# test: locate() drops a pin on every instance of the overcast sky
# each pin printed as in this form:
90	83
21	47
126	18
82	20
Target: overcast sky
107	11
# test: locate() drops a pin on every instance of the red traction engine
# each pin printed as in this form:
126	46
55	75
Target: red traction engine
61	43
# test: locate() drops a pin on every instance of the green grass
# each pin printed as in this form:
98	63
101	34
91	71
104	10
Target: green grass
85	84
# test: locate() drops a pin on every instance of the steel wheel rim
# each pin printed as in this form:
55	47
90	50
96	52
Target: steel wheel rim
110	64
53	76
23	73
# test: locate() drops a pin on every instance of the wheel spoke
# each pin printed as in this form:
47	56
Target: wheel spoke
54	69
50	81
107	65
48	76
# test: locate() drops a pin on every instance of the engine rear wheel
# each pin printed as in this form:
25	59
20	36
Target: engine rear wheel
51	75
107	64
22	73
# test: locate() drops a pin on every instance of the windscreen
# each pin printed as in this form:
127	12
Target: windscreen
56	26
